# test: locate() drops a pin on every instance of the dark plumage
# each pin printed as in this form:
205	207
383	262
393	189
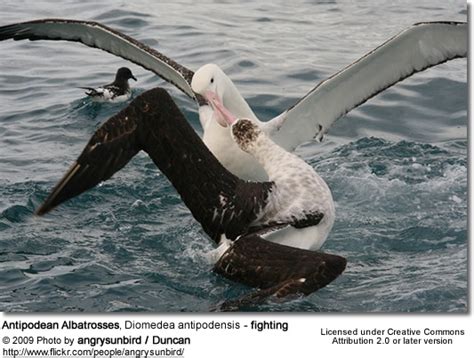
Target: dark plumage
277	269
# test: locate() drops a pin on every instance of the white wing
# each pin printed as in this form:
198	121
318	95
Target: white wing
99	36
421	46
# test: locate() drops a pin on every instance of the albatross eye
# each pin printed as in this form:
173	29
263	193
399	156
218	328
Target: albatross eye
212	80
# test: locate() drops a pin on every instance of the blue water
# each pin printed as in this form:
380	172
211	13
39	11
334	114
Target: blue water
397	165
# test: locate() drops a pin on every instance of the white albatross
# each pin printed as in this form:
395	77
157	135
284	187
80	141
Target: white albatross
415	49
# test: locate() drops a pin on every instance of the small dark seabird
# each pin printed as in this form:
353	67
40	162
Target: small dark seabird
421	46
117	91
248	221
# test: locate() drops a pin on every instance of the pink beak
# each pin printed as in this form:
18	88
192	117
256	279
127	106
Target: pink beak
223	115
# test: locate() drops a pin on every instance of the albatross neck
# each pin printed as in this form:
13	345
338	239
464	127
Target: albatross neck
271	156
235	103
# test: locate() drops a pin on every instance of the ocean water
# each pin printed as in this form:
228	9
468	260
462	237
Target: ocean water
397	165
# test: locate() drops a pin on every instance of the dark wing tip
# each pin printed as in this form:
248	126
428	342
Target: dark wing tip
9	31
336	263
57	196
26	30
455	23
42	210
45	208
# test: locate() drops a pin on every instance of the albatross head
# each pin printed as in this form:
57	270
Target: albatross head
213	84
210	82
209	78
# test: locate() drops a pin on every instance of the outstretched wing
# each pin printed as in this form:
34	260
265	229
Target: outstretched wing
277	270
110	148
94	34
419	47
219	201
